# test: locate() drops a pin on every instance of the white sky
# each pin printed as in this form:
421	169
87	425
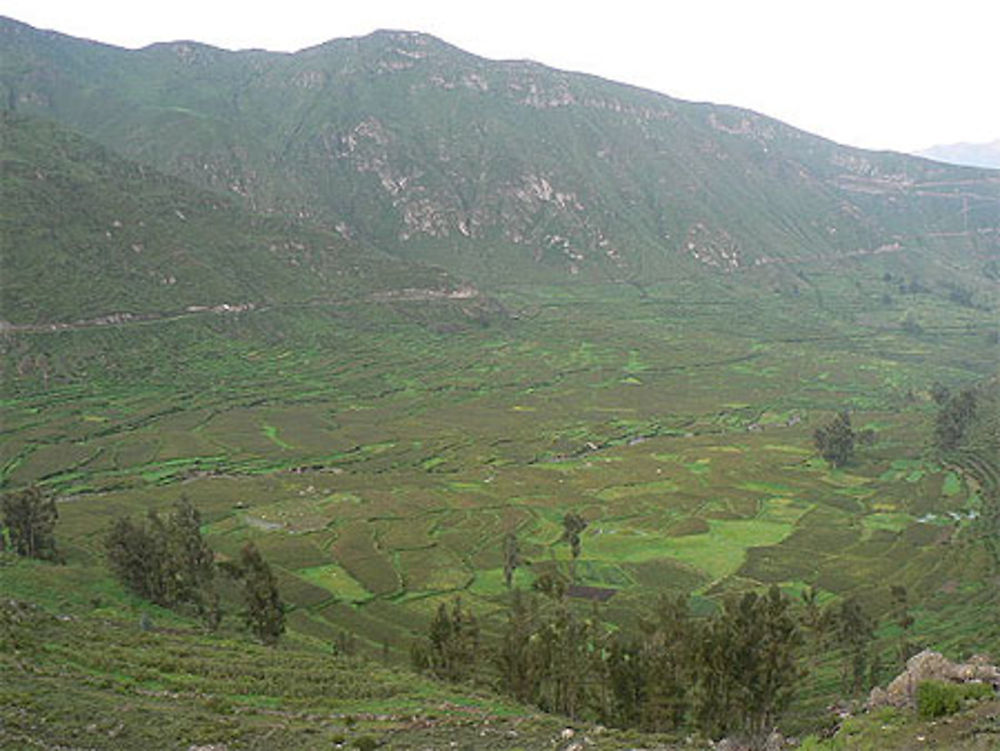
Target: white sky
892	74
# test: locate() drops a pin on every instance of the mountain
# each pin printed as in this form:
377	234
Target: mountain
502	171
985	155
90	235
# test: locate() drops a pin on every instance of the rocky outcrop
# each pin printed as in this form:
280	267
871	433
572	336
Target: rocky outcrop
927	666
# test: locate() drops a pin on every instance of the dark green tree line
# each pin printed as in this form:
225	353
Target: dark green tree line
853	631
732	673
746	660
163	559
451	650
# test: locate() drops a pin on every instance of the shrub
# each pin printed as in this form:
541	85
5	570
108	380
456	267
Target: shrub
940	698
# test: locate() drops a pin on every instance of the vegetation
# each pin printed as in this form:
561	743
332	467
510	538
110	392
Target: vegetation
29	517
748	667
452	649
940	698
505	172
953	419
265	612
835	440
732	673
593	415
165	561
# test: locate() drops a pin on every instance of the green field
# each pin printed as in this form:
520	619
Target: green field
378	467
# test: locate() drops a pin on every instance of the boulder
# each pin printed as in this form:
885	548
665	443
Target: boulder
931	666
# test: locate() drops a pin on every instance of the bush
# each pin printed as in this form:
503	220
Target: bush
940	698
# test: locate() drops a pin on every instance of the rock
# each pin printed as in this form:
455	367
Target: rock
878	698
775	741
931	666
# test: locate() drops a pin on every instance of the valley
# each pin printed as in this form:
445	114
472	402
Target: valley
376	331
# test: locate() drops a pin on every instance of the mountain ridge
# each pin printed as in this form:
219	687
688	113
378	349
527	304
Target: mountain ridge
498	170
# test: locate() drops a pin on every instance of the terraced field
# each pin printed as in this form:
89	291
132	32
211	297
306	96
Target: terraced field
379	466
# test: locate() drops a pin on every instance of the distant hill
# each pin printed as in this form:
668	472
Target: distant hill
88	235
502	171
969	154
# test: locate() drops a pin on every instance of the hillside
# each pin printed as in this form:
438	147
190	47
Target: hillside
89	235
86	674
507	171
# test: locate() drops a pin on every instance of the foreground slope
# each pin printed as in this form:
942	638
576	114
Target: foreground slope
88	676
506	170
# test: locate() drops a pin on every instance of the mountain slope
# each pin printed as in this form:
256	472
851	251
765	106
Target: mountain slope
507	171
88	234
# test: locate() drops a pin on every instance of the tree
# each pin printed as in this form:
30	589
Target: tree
555	659
940	393
518	674
819	626
573	526
451	651
511	558
903	618
30	518
133	558
746	666
627	675
835	440
265	612
953	419
190	559
165	560
666	658
567	651
854	631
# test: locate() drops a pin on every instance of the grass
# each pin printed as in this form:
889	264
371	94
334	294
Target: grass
92	677
379	469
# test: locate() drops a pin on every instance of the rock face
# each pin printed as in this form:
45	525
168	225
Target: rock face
927	666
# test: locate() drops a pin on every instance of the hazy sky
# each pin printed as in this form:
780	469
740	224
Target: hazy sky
894	74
